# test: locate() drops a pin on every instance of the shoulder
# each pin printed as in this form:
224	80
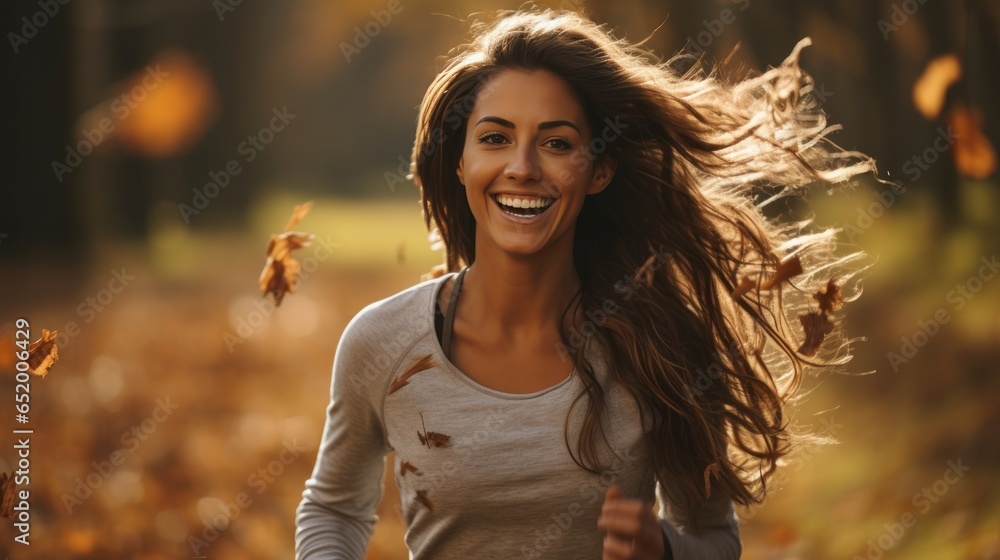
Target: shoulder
379	336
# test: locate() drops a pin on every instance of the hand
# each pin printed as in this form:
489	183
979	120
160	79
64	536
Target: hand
634	531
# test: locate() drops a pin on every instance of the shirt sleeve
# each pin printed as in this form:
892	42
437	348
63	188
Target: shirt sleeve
719	538
336	517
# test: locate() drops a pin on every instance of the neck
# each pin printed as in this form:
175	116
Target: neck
510	298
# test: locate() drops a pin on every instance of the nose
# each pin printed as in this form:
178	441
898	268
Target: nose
523	165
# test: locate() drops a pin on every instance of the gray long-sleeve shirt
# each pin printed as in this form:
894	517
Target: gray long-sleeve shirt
481	473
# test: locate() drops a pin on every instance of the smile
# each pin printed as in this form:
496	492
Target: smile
522	207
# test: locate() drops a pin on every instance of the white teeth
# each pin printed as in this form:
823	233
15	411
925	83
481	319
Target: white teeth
523	202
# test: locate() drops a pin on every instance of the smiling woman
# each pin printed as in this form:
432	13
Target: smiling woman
589	190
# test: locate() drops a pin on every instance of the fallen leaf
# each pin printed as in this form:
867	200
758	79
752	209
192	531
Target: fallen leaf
745	285
408	466
930	88
974	155
786	269
816	325
281	271
422	498
43	353
709	470
432	439
422	364
829	297
300	212
7	491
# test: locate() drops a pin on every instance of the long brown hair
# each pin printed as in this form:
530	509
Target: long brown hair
670	237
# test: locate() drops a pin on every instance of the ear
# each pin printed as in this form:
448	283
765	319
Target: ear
459	171
604	170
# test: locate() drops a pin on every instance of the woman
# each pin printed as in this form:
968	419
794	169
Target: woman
585	347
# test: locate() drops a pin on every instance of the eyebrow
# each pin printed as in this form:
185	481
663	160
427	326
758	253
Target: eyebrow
541	126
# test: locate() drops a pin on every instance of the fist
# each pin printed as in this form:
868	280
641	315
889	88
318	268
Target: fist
633	529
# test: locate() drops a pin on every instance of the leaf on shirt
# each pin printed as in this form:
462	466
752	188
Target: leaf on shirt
785	270
816	325
281	271
408	466
829	297
422	498
7	491
432	439
709	470
43	353
745	285
422	364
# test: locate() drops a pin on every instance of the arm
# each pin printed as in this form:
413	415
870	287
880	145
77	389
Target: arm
336	517
720	534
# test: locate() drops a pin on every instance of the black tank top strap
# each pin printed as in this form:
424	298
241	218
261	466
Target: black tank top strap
449	317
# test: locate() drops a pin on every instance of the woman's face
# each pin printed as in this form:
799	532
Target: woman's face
526	153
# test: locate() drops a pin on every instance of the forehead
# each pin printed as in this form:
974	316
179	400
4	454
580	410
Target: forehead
529	97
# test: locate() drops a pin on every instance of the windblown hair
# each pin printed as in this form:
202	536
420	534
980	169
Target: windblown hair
669	239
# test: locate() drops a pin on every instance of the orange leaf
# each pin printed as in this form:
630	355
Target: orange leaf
7	491
786	269
745	285
930	88
422	498
829	297
408	466
300	212
422	364
975	157
436	271
281	271
816	325
43	353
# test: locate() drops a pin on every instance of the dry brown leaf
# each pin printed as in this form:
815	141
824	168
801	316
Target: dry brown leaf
975	157
422	498
432	439
709	470
281	271
829	297
930	88
43	353
422	364
786	269
407	466
816	325
7	491
300	212
745	285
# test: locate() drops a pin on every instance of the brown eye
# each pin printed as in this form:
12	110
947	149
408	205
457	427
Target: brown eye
492	138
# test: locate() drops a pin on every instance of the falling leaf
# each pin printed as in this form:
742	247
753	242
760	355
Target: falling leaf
408	466
422	498
300	212
281	271
432	439
7	491
975	157
786	269
709	470
745	285
43	353
816	325
401	253
930	88
829	297
422	364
